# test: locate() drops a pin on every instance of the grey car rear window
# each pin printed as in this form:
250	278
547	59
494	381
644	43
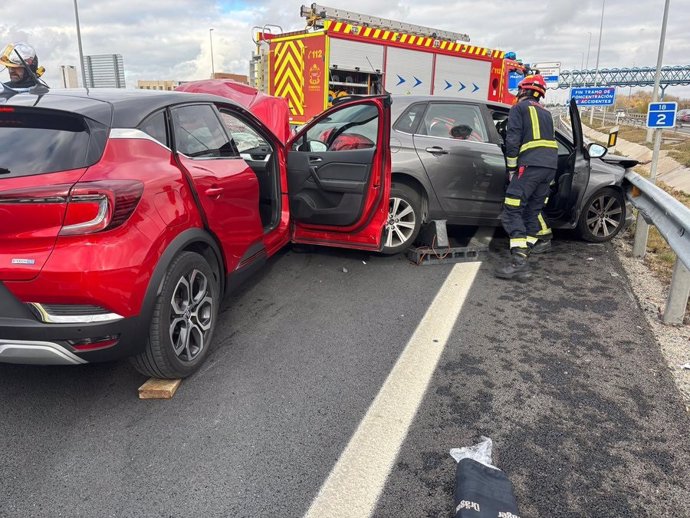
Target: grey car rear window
408	121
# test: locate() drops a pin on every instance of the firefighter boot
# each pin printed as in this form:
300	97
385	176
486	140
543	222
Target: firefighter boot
541	247
517	268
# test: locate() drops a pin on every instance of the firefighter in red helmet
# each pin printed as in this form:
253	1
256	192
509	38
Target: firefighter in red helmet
532	158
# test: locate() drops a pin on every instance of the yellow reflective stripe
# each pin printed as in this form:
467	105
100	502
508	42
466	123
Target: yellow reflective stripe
538	143
513	202
518	242
543	233
511	161
544	227
536	131
532	240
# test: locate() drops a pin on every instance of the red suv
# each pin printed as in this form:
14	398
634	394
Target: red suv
125	216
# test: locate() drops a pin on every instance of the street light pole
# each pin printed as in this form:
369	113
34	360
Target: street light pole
213	71
642	229
657	73
596	72
589	46
81	53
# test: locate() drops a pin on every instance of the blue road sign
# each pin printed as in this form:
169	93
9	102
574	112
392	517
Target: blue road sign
596	96
661	115
514	79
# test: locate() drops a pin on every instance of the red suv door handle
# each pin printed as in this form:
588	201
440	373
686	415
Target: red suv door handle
214	191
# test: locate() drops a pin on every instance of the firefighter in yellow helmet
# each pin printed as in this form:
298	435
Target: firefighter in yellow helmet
21	61
532	159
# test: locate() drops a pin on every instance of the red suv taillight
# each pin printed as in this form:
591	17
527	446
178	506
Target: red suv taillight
102	205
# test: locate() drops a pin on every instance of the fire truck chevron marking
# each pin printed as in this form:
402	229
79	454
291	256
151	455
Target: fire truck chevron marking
289	63
289	74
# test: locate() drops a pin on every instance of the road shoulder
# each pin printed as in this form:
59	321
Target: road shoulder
651	294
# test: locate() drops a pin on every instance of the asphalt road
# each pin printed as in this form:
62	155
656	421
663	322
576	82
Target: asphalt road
562	373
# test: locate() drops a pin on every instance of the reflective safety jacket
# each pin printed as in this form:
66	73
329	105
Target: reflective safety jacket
530	136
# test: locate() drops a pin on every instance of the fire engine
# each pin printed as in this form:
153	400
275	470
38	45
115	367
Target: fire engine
344	53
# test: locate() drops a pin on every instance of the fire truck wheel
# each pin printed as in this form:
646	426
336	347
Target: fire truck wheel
404	219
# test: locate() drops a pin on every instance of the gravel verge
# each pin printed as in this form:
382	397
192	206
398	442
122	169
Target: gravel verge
674	340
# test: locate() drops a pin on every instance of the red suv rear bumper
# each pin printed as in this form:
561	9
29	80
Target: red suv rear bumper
24	338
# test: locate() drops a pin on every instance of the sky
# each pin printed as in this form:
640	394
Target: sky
171	40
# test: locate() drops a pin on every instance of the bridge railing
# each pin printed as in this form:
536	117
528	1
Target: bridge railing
672	220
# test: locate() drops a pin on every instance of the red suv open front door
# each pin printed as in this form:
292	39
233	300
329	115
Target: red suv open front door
339	174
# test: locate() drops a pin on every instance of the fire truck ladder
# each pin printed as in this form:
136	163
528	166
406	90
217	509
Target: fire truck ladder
317	14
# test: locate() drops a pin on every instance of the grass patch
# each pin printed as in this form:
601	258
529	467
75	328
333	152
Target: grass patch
681	153
660	257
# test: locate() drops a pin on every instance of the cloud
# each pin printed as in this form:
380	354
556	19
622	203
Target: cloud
170	40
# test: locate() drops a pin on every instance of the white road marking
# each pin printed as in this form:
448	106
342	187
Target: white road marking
357	479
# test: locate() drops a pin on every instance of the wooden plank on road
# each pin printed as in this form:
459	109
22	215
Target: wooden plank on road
159	389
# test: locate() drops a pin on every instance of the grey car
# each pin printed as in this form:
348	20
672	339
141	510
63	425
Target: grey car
448	163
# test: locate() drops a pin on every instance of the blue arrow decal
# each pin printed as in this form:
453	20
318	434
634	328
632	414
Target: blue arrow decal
448	85
462	87
418	82
401	80
475	88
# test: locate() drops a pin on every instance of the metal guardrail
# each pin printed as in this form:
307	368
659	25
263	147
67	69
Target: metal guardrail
672	220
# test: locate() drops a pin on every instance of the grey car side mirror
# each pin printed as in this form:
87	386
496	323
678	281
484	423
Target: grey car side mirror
596	150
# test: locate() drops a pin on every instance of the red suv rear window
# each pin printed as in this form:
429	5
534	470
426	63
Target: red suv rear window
35	141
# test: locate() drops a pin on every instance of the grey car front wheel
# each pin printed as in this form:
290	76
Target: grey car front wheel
603	216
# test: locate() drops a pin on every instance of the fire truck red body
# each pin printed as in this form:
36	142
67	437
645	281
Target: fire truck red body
309	68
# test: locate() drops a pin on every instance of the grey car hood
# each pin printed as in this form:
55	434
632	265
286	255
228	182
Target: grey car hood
622	161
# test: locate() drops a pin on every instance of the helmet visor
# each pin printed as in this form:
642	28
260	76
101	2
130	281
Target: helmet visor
8	57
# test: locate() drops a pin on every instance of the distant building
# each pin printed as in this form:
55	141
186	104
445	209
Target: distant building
104	71
68	74
171	85
234	77
157	85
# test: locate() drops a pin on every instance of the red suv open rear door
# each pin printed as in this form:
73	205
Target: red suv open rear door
339	174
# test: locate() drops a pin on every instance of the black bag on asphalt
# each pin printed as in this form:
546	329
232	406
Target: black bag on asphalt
483	492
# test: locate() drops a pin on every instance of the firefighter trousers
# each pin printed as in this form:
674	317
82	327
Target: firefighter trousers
525	197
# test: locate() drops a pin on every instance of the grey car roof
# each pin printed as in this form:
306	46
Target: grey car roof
401	102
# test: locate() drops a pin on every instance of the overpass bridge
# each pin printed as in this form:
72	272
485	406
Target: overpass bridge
677	75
